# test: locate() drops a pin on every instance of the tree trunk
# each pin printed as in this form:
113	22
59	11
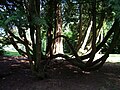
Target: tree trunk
86	37
58	45
94	33
80	28
50	12
34	11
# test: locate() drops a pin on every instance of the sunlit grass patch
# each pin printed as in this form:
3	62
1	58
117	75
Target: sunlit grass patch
8	53
113	58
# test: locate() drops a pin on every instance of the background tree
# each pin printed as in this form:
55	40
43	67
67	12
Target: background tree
58	45
54	22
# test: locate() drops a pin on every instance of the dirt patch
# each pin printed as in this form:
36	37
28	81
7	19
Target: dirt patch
16	75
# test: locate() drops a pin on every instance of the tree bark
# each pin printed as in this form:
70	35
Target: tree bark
58	45
94	33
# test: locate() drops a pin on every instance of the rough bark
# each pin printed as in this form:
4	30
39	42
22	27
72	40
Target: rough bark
58	45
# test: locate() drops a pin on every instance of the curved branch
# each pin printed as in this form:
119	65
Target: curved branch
99	62
16	47
77	58
109	33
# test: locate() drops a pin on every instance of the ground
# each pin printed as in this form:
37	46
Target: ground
16	75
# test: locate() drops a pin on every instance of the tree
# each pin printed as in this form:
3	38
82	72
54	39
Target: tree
25	16
25	22
54	22
58	45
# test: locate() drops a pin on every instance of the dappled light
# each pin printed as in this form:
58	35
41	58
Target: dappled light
62	75
44	44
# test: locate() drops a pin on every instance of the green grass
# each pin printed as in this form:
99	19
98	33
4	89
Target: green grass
8	53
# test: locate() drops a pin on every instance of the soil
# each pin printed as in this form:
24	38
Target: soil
15	74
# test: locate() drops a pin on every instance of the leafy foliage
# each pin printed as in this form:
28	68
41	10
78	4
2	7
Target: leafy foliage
2	52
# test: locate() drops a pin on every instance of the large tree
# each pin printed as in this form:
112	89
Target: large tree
21	20
26	21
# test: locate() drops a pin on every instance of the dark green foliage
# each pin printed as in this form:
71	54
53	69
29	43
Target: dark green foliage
2	52
116	49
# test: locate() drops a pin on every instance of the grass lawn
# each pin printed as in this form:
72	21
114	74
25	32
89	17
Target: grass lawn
8	53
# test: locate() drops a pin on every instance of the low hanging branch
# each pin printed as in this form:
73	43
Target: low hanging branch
16	47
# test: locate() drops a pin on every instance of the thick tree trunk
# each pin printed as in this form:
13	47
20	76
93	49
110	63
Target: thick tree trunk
58	45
